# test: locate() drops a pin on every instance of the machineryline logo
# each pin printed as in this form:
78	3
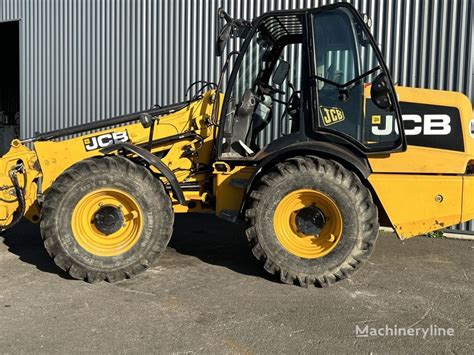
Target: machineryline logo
396	331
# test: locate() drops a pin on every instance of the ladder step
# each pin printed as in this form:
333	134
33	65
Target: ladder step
229	215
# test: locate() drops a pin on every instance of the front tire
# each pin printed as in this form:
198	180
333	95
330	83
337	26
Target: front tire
311	220
106	219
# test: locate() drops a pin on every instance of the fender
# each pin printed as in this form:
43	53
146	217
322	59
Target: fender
354	160
152	160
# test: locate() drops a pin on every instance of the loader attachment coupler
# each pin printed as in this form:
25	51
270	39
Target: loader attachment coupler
19	173
19	192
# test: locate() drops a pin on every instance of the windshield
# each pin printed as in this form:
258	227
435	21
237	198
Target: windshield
263	102
345	69
251	66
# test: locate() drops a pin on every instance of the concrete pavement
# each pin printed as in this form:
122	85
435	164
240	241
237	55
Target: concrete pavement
208	295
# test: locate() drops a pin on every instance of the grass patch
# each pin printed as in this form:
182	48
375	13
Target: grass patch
435	234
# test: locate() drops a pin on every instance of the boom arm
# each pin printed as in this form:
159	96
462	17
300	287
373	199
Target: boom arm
174	147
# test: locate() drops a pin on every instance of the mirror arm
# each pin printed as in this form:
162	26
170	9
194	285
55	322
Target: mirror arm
292	87
224	15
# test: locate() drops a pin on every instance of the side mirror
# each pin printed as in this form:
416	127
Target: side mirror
380	92
223	38
281	72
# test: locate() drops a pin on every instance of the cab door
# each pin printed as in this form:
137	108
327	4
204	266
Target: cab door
350	79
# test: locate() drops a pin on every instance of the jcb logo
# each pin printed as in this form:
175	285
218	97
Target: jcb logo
428	125
104	140
331	115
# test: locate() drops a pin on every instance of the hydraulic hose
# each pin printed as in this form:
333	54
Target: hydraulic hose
20	194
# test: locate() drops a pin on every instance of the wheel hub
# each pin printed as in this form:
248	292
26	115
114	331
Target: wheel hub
108	219
107	222
310	221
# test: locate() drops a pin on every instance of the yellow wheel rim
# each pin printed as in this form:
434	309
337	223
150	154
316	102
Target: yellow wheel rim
289	232
89	234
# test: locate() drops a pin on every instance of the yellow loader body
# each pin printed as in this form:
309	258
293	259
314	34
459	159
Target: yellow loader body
421	190
350	152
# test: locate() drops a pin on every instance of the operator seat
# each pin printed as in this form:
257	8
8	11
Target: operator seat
335	75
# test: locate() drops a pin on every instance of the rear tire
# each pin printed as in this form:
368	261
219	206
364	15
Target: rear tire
316	256
82	237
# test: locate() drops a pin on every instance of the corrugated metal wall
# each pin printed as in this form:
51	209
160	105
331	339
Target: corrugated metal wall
84	60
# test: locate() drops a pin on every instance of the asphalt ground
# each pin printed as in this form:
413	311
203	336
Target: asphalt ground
207	294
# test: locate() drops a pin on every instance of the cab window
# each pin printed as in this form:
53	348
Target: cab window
346	67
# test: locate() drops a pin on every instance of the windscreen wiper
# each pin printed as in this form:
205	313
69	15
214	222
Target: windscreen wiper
342	88
350	82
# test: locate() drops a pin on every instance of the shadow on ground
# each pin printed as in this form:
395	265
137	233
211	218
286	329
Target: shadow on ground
24	240
204	236
216	242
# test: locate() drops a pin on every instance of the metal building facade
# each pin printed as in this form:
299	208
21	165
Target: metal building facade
84	60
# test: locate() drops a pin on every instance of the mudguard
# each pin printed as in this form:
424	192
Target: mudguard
152	160
352	160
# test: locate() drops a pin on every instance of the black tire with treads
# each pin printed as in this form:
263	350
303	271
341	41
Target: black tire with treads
99	173
354	200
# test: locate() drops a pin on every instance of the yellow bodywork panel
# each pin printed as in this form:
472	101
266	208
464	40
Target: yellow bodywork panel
468	199
430	160
422	160
425	189
230	187
418	204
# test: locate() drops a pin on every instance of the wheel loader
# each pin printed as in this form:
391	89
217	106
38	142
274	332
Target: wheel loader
310	144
